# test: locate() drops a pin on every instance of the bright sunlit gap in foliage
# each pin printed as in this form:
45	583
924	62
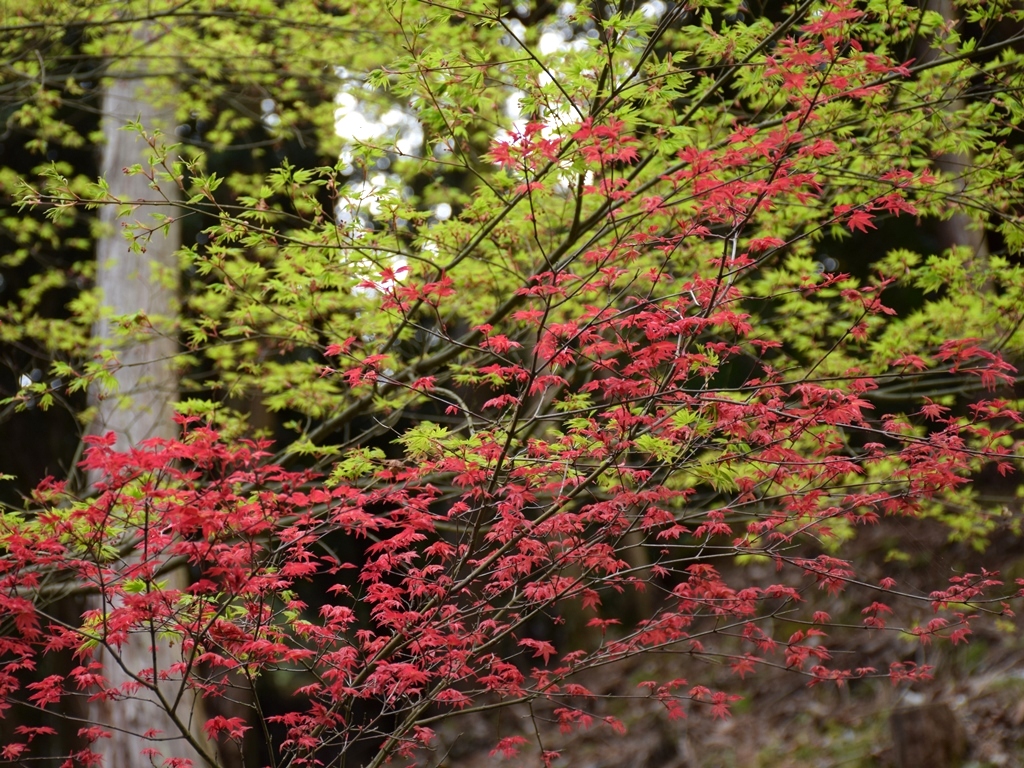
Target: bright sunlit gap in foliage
365	196
398	132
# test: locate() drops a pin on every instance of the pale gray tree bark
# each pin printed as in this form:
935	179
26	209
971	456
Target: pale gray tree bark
141	283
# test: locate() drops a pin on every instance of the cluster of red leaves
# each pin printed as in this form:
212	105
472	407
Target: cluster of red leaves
439	610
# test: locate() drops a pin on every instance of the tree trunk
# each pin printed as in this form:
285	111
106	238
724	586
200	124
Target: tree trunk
141	406
927	736
959	230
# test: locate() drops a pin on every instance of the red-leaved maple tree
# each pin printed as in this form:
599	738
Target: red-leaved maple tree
613	378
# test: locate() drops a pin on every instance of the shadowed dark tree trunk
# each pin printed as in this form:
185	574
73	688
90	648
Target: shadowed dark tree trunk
929	735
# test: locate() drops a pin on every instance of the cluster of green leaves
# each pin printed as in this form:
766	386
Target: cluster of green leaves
276	274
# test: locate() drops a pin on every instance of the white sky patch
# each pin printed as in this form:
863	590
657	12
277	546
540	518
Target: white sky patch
551	42
514	111
567	180
371	271
270	117
396	128
654	9
397	131
517	28
371	196
355	119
